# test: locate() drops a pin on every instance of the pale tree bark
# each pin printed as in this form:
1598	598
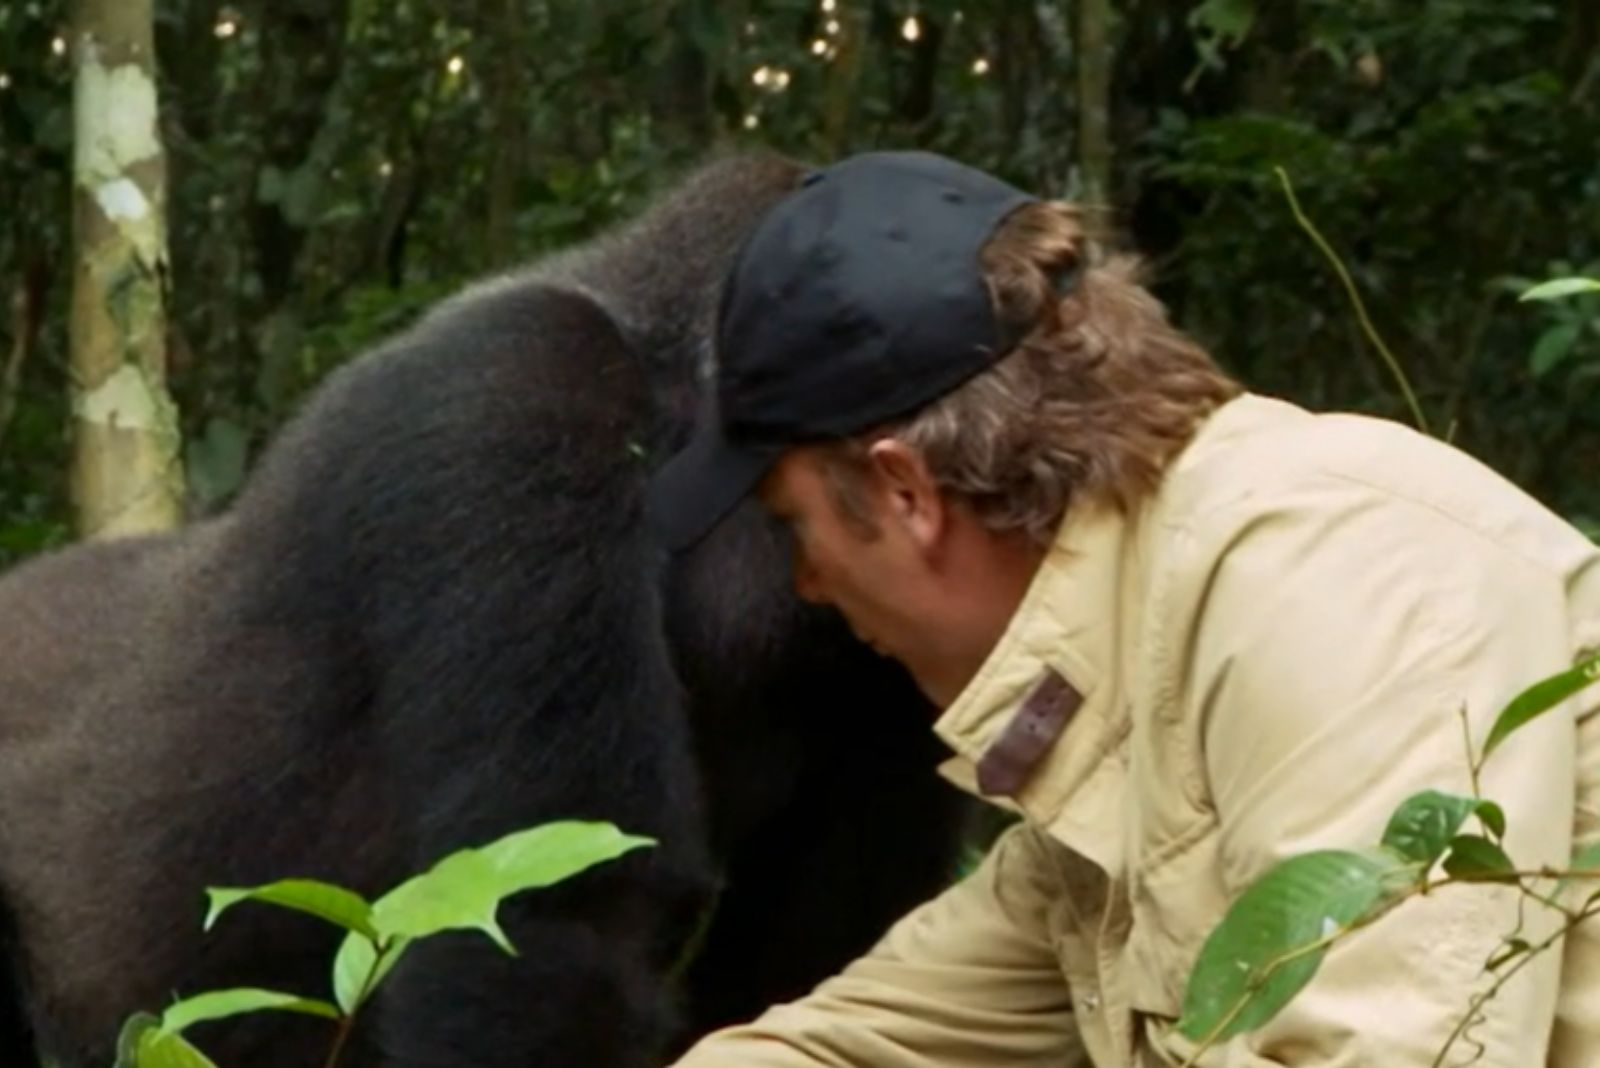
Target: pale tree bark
1094	97
127	471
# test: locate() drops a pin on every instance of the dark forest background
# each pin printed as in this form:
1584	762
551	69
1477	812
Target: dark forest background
338	165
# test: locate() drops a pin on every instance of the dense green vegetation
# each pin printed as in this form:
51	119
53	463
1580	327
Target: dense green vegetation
338	164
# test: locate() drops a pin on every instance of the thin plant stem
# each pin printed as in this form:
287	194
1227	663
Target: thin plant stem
1355	298
1480	1000
346	1025
1549	901
347	1022
1474	766
1259	980
1422	889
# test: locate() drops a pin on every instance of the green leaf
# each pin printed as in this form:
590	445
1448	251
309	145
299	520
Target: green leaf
1229	20
133	1031
1540	698
460	892
360	14
354	963
1421	828
1557	288
351	967
270	182
554	852
221	1004
217	460
335	904
1553	346
1474	857
162	1049
464	890
1493	818
1245	973
303	189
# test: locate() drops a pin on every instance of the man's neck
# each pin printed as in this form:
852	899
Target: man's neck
985	576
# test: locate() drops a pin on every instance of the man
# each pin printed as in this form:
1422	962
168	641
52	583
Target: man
1183	630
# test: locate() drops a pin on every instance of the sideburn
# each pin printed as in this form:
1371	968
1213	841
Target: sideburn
846	475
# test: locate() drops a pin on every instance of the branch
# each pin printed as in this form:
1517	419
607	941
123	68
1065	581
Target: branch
1332	938
1260	979
1474	765
1095	59
1480	1000
22	331
1355	298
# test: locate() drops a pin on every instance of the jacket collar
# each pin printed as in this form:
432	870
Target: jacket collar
1082	622
1043	721
1079	619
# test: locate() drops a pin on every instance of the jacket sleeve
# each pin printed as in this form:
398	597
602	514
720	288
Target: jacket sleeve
1343	635
969	980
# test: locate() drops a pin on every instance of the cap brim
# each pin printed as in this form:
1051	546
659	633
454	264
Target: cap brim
692	491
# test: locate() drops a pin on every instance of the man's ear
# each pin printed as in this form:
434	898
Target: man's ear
911	493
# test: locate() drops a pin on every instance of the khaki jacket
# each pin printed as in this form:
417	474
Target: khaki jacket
1265	659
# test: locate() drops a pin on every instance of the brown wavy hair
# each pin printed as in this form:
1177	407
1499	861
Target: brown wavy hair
1092	404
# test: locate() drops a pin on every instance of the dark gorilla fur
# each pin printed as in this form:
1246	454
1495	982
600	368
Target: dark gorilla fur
431	617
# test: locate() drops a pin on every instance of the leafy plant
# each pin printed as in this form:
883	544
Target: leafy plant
1557	288
1567	351
1569	318
461	892
1272	940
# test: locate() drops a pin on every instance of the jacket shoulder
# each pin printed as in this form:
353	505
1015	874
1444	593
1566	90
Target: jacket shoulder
1258	459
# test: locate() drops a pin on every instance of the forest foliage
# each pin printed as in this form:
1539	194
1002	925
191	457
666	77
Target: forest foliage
337	165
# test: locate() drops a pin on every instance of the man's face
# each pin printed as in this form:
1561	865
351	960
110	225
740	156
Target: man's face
873	573
916	574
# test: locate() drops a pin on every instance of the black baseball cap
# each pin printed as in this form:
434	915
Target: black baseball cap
858	299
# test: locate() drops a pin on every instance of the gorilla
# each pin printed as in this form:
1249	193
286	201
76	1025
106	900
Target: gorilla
433	616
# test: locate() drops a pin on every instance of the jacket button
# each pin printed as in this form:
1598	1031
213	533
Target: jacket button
1089	1002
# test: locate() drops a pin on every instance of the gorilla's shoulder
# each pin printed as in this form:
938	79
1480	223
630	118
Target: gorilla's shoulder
507	364
515	388
519	337
86	566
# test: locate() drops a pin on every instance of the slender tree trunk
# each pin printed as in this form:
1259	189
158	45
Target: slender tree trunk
509	109
302	60
127	470
839	102
22	331
28	296
917	99
1013	28
679	88
1580	51
1094	97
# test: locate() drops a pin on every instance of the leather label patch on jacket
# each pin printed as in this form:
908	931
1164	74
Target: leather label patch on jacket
1044	714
